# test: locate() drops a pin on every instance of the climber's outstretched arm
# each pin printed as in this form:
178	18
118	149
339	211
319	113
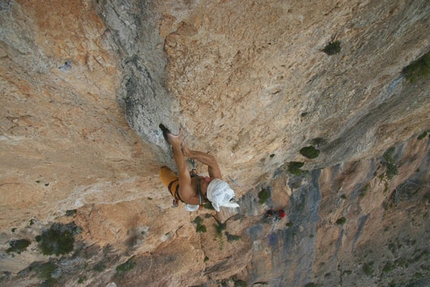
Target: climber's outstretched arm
209	160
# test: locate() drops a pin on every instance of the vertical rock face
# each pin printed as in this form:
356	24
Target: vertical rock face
133	27
85	85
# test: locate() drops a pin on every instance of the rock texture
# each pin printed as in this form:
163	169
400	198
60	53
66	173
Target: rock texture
85	85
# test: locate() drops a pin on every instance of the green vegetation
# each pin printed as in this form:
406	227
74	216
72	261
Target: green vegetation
341	221
126	266
44	271
365	190
71	212
401	262
240	283
423	135
332	48
310	152
201	228
290	224
58	240
392	247
264	195
368	268
18	246
208	206
343	196
389	266
389	163
231	237
388	154
219	228
294	167
199	222
99	267
418	70
391	170
311	284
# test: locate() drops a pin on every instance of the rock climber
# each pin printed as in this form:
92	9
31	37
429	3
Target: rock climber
190	188
276	215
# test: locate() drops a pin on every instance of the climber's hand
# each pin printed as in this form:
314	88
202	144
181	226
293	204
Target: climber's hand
176	140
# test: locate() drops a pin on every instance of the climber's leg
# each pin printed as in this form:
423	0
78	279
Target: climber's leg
167	175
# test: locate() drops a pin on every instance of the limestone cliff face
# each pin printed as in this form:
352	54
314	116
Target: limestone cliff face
85	84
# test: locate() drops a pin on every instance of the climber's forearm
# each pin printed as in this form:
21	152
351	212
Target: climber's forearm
184	175
209	160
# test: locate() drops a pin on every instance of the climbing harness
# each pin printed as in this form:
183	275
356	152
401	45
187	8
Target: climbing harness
193	173
176	195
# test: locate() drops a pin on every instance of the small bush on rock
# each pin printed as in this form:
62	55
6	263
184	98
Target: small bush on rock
310	152
264	195
18	246
58	240
332	48
126	266
341	221
294	167
417	70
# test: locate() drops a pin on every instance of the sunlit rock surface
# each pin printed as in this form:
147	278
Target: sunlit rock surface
85	85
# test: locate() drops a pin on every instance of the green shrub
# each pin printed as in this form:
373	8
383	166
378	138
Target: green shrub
231	237
389	163
18	246
294	167
423	135
44	271
99	267
388	267
368	268
240	283
199	222
341	221
219	229
126	266
71	212
201	228
332	48
58	240
310	152
264	195
417	70
388	155
391	170
208	206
